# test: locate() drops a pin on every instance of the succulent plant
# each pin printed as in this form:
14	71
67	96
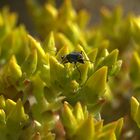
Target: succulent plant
80	124
55	86
13	118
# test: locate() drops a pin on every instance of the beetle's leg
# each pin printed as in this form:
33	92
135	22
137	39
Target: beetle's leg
78	70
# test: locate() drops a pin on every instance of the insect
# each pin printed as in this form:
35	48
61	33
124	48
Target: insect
74	57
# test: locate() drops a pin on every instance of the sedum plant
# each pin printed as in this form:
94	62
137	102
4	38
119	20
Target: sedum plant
79	124
44	96
115	31
13	118
34	76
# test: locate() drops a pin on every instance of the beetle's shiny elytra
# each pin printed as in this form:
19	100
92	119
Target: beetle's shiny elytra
74	57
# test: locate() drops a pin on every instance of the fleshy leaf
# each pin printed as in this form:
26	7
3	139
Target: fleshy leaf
110	59
68	119
2	102
86	130
134	107
57	71
135	68
135	110
109	135
18	114
12	70
63	41
95	85
30	64
49	44
66	11
35	44
78	112
2	117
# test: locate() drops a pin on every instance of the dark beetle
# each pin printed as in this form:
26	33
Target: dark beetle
74	57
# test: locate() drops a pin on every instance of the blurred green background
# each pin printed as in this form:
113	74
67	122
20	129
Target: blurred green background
92	6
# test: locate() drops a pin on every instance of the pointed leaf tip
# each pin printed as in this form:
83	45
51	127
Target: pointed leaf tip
96	84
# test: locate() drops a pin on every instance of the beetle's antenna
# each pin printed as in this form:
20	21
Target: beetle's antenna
78	70
85	59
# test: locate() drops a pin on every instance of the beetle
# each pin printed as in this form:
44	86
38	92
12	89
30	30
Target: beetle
74	57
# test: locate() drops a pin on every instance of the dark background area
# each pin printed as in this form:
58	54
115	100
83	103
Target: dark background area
93	7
